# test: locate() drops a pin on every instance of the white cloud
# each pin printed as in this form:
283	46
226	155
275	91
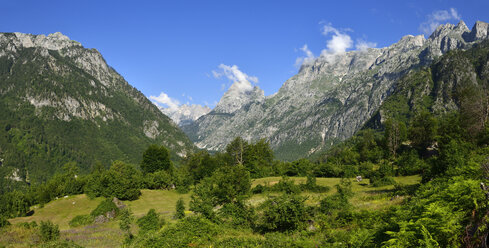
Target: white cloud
308	59
339	42
241	81
438	17
177	111
363	45
165	100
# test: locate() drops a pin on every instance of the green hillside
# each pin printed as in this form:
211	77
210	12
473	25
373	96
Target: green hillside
68	105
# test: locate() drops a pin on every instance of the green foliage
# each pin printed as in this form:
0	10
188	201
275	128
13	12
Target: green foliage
423	130
40	140
122	181
180	209
191	231
158	180
3	221
104	207
283	213
394	134
201	164
338	201
409	163
155	158
81	220
257	157
48	231
150	222
125	219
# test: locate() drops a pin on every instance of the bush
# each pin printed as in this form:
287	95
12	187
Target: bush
4	221
383	181
283	213
286	185
189	232
180	209
105	206
238	214
81	220
48	231
158	180
150	222
311	185
28	225
258	189
122	181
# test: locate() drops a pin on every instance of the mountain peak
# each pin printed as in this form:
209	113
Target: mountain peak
55	41
479	31
239	94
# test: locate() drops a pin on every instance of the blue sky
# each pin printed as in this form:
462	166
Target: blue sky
174	46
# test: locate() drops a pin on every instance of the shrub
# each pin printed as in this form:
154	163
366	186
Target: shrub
311	185
158	180
48	231
81	220
126	219
180	209
188	232
286	185
283	213
150	222
258	189
238	214
4	221
122	181
105	206
383	181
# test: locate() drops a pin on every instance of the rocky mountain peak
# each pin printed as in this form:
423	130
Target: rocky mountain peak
479	31
56	41
238	95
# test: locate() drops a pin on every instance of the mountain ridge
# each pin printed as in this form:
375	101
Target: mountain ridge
67	104
332	97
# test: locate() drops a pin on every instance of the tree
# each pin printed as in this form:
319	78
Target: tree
180	209
474	109
155	158
236	150
122	181
394	135
423	130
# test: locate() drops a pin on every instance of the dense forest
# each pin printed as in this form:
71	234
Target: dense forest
433	125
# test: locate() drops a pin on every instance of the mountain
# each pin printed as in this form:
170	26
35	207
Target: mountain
61	102
329	99
185	114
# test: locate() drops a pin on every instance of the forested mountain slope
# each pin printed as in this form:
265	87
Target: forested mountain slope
61	102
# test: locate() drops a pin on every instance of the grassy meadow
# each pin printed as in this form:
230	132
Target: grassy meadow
62	210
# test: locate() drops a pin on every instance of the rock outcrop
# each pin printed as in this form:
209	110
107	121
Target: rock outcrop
329	99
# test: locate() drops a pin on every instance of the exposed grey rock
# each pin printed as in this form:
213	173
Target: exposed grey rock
329	99
185	114
62	56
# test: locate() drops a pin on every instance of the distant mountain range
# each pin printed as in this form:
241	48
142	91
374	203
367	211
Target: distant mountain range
61	102
329	99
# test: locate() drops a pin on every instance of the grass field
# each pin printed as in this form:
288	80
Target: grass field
62	210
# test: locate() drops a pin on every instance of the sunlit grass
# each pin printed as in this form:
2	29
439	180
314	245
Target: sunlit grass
62	210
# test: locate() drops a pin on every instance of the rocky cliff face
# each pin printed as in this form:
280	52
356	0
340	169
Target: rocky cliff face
331	98
66	104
